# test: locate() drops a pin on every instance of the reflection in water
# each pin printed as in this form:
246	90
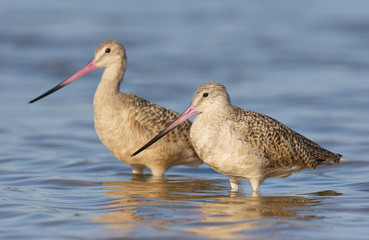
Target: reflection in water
154	202
160	204
232	217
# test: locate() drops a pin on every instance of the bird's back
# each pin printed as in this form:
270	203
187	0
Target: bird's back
279	144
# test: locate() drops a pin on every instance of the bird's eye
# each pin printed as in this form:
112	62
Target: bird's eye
107	50
205	94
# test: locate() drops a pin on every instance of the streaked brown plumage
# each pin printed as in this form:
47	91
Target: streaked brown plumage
244	144
278	143
124	121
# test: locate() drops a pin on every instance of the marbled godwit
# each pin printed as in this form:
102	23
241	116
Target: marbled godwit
125	122
244	144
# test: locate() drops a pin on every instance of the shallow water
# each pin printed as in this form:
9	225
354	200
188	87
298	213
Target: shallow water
302	62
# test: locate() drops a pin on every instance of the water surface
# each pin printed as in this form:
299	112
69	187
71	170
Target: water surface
303	63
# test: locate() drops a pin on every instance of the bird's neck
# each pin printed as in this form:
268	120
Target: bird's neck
108	88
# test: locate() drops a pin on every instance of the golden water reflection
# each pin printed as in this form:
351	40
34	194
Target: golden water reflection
239	214
144	200
200	207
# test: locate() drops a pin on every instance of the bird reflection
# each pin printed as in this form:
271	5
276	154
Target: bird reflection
239	214
200	207
141	199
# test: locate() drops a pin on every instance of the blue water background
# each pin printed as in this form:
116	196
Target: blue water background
304	63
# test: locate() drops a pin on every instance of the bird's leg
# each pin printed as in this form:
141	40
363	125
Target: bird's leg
137	169
255	183
234	181
158	172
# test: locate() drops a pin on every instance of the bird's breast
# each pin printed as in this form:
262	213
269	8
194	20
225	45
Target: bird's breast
114	130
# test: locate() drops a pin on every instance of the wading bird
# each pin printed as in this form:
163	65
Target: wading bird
244	144
125	122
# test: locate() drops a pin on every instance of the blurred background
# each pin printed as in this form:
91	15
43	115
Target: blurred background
304	63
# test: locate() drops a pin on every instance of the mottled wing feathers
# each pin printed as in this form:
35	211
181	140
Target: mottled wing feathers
279	144
154	118
318	153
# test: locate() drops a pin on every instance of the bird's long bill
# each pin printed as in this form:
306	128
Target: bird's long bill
189	112
86	69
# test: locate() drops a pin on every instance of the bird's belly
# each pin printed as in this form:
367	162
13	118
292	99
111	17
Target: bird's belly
113	143
228	155
113	134
122	137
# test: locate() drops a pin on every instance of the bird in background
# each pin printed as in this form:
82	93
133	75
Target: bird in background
244	144
124	121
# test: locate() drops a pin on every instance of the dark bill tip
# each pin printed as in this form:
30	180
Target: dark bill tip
86	69
152	141
47	93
